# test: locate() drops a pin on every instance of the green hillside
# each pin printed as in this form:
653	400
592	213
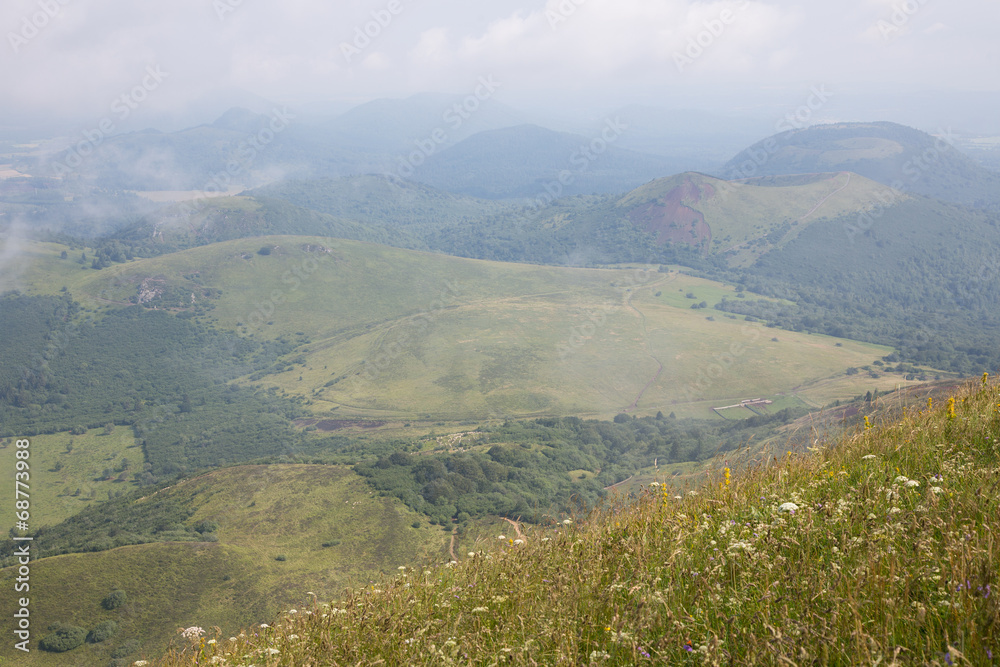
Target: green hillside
269	535
878	548
383	201
471	339
895	155
743	219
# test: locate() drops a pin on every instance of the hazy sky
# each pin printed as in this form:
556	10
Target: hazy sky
75	58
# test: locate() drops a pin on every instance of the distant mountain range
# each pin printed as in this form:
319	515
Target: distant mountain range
902	157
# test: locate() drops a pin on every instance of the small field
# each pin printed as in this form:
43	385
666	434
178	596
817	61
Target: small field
71	472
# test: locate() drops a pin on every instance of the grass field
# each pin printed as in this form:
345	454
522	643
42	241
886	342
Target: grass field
397	334
273	523
861	551
80	480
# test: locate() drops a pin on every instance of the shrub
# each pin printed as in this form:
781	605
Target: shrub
102	632
64	638
281	558
129	647
114	600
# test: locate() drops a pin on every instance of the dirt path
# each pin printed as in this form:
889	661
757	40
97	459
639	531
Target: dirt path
451	548
649	349
823	200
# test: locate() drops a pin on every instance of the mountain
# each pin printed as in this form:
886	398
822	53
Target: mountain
904	158
535	163
384	201
392	126
696	140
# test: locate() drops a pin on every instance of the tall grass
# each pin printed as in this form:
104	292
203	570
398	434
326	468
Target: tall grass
881	548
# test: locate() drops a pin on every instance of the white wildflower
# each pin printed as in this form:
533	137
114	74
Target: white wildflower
912	484
937	490
480	610
472	554
867	457
518	541
192	633
140	663
788	507
501	537
901	480
273	651
567	522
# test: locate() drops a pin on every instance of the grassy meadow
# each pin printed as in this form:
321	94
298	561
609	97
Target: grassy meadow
879	548
396	334
280	532
70	472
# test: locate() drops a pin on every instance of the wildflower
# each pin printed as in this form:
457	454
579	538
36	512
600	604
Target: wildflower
401	568
678	498
788	507
210	642
868	424
518	541
264	626
986	378
501	537
901	480
480	610
912	484
867	457
472	554
192	633
930	403
567	522
140	663
232	639
727	476
273	651
951	408
937	490
293	636
293	611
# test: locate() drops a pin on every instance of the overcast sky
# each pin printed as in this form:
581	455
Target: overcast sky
74	58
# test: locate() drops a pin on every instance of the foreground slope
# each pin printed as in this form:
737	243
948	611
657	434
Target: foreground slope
877	549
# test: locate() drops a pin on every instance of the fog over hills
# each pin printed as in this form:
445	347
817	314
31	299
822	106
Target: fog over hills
340	307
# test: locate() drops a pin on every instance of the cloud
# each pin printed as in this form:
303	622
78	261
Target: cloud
93	50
